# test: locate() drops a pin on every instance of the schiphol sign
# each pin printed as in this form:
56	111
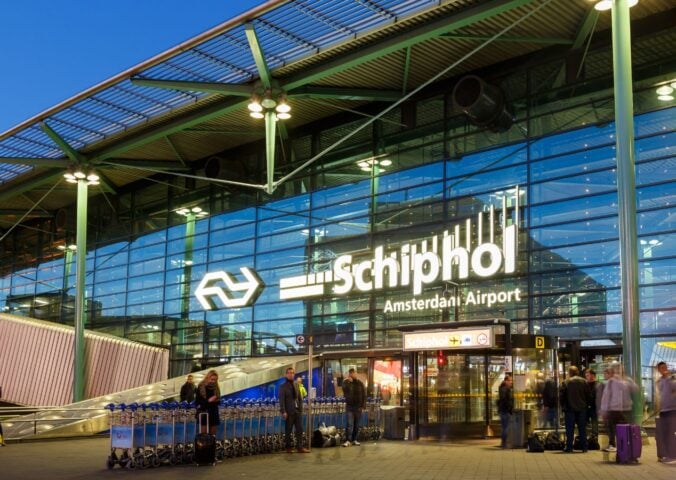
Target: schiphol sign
446	257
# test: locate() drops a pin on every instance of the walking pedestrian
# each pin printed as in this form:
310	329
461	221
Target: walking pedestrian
207	398
188	390
616	403
666	406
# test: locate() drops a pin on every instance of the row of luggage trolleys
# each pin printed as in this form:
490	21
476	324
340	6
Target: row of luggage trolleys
155	434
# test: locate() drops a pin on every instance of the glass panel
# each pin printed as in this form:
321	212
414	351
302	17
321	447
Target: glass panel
387	381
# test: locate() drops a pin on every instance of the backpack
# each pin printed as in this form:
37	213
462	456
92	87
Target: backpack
535	444
553	441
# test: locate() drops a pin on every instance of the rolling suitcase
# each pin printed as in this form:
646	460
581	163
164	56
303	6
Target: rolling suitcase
628	443
665	437
205	445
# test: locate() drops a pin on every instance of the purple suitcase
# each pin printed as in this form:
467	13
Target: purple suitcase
628	443
665	436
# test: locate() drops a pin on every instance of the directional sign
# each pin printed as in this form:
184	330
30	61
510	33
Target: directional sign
304	340
448	339
539	342
209	287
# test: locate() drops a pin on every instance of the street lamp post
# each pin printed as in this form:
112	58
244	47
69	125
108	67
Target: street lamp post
83	181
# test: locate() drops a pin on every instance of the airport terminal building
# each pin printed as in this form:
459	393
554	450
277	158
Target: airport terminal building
385	212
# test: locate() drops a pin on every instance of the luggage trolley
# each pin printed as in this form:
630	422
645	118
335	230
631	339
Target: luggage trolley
126	435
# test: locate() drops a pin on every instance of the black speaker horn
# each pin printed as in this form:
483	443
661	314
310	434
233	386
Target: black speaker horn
483	103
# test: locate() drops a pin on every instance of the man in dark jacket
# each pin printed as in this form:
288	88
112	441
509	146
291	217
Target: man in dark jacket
355	402
549	404
505	407
575	396
592	412
291	408
188	390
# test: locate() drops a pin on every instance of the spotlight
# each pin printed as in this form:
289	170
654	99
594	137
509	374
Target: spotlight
256	115
283	116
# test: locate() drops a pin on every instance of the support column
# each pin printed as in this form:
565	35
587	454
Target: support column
270	130
187	276
80	270
626	191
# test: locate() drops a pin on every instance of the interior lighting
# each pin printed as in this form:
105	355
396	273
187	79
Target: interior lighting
665	98
386	163
268	102
604	5
282	106
257	115
196	211
255	105
664	90
283	116
76	173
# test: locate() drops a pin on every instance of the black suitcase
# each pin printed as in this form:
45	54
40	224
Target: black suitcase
205	445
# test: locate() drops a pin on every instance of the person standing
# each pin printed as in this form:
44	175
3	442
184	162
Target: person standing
355	402
592	412
666	406
291	408
188	390
207	398
616	403
575	397
505	407
549	401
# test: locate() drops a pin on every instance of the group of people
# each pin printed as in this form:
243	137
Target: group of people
584	400
292	392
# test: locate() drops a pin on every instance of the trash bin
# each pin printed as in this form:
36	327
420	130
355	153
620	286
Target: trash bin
395	422
516	434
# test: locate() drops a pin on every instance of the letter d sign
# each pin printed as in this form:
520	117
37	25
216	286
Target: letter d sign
539	342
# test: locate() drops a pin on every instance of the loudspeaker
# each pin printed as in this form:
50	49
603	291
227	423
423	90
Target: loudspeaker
483	103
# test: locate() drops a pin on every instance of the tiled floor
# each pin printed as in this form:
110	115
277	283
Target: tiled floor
386	460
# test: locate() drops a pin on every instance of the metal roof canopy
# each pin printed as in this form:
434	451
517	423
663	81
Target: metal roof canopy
304	46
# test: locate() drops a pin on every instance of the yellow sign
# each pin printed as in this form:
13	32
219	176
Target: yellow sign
539	342
448	339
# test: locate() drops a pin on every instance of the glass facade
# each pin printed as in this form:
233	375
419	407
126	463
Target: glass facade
430	176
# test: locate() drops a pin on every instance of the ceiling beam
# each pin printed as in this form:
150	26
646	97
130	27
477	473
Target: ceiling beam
176	151
407	68
506	38
155	164
586	29
258	56
366	94
36	162
49	176
427	31
236	90
176	125
70	152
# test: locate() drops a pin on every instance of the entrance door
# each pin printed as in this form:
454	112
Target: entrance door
452	394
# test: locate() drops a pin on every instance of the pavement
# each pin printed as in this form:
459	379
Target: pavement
381	460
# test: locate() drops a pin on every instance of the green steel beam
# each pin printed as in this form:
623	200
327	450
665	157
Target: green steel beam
371	95
70	152
586	29
258	55
106	183
175	150
545	41
208	87
37	162
154	164
429	30
173	126
626	193
407	69
31	183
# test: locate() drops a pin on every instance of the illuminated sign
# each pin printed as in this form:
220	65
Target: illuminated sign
209	287
448	339
446	257
483	247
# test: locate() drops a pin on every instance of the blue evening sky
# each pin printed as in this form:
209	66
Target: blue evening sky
50	50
